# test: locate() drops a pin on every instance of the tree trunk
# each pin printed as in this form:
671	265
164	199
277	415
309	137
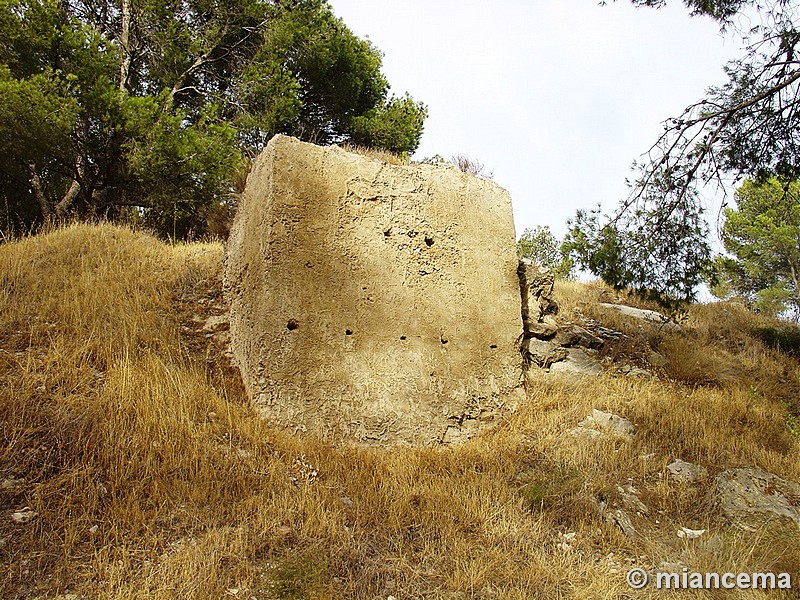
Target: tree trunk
69	197
38	192
125	46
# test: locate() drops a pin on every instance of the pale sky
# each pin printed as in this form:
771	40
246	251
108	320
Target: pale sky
556	97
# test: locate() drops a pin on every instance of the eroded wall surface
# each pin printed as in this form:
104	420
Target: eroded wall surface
371	302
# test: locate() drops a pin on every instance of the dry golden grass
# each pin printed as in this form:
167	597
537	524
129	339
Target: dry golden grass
152	477
384	155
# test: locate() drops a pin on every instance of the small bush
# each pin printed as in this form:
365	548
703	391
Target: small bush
547	490
784	339
296	576
471	165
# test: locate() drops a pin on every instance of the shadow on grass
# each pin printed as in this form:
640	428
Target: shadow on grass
783	339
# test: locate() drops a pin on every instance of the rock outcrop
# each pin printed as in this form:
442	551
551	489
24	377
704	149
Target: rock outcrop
567	349
538	309
604	425
642	314
750	496
686	472
371	302
536	290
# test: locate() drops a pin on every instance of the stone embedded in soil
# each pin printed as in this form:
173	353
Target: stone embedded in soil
690	534
630	498
658	360
643	315
542	330
622	520
542	353
23	516
588	434
578	336
216	323
611	423
683	471
749	496
578	362
635	372
606	425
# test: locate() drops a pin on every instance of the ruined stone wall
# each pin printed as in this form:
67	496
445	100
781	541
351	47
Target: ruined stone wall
373	302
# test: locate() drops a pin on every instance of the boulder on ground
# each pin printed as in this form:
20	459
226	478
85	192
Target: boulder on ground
542	353
601	424
573	336
372	302
749	496
578	363
686	472
643	315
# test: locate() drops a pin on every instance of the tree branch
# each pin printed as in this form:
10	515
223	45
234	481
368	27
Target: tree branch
38	193
74	189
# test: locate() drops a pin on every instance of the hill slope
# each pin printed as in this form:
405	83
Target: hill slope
145	473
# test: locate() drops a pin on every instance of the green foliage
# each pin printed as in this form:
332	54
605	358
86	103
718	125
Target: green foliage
36	122
722	10
550	488
296	576
655	242
392	126
144	108
180	171
763	237
658	259
793	425
542	247
436	159
36	115
784	339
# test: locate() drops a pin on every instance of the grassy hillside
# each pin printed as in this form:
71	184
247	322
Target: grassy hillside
126	432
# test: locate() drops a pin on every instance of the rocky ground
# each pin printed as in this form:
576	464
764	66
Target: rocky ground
132	465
